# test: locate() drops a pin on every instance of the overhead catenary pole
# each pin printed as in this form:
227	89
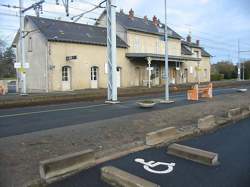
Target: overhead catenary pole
22	49
239	66
243	70
166	55
111	50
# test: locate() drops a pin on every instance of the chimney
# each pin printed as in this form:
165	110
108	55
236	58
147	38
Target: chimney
145	19
188	38
198	42
155	21
131	14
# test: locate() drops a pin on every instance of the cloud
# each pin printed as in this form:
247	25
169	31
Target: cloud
128	4
204	1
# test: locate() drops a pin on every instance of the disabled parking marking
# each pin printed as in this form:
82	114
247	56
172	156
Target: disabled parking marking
151	164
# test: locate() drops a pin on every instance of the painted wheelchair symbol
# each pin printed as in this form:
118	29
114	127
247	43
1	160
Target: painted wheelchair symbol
151	164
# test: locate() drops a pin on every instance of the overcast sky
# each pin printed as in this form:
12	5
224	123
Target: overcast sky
218	24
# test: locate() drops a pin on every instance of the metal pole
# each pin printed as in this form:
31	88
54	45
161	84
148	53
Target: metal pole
149	72
111	49
22	49
166	55
238	60
243	70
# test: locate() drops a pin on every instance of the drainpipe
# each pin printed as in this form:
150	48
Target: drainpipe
46	69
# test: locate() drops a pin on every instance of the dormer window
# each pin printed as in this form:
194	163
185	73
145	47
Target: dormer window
196	53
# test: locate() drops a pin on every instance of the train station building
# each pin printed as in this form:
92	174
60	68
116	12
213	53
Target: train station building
66	56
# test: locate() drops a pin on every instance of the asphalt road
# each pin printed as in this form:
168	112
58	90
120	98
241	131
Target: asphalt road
232	143
18	121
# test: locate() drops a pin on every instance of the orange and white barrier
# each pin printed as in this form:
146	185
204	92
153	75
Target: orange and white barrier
205	91
3	88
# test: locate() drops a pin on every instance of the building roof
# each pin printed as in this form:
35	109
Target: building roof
186	49
62	31
139	24
204	53
190	44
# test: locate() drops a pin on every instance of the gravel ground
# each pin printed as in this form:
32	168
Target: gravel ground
20	155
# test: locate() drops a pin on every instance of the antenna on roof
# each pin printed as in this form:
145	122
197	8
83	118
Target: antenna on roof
189	30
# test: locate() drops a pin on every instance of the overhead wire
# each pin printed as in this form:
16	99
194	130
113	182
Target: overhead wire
78	17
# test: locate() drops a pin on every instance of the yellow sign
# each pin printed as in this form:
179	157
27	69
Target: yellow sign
198	69
21	70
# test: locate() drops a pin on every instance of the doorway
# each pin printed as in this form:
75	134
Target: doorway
94	77
137	76
66	78
185	76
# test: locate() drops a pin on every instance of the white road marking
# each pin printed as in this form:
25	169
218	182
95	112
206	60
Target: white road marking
54	110
151	164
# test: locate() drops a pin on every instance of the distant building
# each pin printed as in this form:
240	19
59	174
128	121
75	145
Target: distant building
70	56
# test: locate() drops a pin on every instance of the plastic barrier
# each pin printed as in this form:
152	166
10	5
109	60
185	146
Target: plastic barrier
2	90
205	91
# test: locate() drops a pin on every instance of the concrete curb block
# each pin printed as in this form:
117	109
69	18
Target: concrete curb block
116	177
196	155
232	113
222	121
56	168
206	123
245	114
37	183
160	136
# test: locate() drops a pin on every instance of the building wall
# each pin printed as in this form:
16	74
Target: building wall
205	67
149	43
87	56
193	70
35	55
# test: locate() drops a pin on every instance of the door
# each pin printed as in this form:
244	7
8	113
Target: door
118	76
156	75
66	78
94	77
185	76
137	76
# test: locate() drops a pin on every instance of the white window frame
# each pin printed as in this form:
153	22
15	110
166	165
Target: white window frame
65	75
94	73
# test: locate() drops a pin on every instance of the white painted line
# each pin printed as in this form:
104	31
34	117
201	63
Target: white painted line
54	110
